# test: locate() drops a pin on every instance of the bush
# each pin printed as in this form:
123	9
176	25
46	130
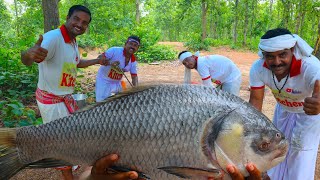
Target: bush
216	42
16	80
156	53
14	114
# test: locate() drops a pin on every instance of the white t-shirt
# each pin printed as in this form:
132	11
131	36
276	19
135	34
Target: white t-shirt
299	85
219	68
113	74
58	72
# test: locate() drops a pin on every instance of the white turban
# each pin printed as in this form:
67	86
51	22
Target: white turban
187	72
287	41
184	55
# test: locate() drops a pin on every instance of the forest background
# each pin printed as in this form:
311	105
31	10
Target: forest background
199	24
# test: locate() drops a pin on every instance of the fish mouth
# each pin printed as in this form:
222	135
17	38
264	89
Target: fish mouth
281	151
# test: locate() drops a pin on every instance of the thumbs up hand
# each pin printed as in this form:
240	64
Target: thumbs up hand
37	53
311	104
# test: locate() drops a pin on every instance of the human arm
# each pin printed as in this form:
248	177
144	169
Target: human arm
34	54
204	72
256	98
101	59
134	80
257	85
207	82
99	170
311	105
134	72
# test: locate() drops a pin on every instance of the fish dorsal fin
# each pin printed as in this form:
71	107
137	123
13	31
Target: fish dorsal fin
118	96
192	173
212	128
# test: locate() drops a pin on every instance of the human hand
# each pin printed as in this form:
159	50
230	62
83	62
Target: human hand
99	170
103	60
115	63
37	53
311	105
235	174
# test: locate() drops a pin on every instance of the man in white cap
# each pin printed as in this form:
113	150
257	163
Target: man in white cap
212	69
289	69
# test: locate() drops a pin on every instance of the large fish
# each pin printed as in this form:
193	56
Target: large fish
164	132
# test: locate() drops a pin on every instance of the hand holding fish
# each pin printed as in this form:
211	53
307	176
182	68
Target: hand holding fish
235	174
311	104
98	171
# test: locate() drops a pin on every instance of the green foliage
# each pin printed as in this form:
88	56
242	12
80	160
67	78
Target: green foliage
195	43
15	114
156	53
216	42
16	80
148	33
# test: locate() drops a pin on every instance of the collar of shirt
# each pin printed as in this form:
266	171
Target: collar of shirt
65	35
132	58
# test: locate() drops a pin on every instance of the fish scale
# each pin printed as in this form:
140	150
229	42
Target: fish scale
165	126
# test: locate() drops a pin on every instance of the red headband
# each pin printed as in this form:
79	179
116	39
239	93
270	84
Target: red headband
133	40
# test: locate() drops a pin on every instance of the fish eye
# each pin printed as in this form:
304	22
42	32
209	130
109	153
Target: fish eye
278	135
264	146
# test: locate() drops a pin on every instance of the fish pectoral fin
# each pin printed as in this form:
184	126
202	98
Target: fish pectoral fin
192	173
141	175
48	163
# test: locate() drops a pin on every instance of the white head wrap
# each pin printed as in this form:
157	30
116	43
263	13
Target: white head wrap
187	71
184	55
287	41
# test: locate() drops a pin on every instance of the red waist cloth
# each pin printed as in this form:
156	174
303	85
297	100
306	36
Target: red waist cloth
48	98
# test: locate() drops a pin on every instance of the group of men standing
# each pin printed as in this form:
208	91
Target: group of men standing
286	66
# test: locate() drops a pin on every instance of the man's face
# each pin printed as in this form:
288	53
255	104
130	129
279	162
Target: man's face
189	62
77	23
279	62
131	47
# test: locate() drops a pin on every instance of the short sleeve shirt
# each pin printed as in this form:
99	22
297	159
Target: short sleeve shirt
114	74
219	68
299	85
58	72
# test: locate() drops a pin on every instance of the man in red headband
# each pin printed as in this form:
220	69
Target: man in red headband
120	60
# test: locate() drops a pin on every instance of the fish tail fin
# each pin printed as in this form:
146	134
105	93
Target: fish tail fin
10	162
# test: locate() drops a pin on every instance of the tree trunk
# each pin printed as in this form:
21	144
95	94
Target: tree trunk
270	15
252	18
286	13
235	34
204	8
246	21
138	13
17	18
299	16
302	23
51	14
317	45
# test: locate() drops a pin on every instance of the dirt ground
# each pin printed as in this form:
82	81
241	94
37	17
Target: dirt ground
172	72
